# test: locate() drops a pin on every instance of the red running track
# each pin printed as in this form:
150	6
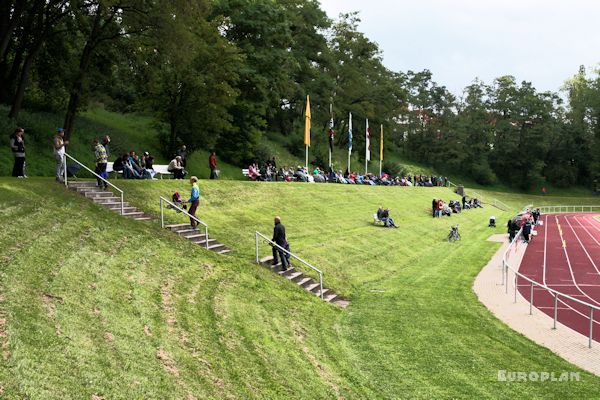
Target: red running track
565	256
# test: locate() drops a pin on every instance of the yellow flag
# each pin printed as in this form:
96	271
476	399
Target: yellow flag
381	145
307	122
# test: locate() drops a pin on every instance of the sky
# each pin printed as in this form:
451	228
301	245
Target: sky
542	42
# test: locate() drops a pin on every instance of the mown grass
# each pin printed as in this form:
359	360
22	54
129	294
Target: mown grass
79	287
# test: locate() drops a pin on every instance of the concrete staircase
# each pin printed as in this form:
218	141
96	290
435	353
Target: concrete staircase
106	198
309	284
198	237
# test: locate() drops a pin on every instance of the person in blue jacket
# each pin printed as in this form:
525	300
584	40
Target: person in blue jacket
194	201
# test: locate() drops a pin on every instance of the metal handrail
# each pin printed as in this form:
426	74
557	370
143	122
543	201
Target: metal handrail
497	203
93	173
555	293
162	217
257	234
559	209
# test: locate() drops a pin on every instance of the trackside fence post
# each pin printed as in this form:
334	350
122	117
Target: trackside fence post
555	309
591	325
531	300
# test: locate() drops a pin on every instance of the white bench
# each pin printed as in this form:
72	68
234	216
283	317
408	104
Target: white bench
159	169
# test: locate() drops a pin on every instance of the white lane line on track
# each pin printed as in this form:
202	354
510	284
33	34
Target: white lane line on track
582	246
561	301
571	268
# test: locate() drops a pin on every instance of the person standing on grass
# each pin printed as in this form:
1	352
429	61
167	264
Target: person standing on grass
280	239
17	145
106	143
194	201
212	164
101	160
182	153
59	154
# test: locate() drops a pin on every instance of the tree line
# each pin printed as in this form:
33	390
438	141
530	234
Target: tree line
226	73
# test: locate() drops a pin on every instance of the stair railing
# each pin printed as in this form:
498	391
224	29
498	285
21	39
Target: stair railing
96	175
162	217
270	242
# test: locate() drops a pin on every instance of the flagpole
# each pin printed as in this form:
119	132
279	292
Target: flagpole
380	150
306	162
331	127
367	147
349	140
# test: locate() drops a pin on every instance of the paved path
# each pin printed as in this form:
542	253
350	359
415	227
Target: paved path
563	341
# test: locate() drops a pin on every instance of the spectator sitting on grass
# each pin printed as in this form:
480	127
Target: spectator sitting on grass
253	172
383	214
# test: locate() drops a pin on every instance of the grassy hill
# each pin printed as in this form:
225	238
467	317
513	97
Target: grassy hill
95	305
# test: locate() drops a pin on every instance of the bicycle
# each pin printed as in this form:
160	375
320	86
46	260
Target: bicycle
454	235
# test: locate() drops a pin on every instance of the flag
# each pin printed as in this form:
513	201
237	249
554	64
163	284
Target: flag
381	145
307	122
350	133
368	143
331	134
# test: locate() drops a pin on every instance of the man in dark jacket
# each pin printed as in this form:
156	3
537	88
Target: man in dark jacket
280	239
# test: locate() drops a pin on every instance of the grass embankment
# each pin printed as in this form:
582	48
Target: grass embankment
95	304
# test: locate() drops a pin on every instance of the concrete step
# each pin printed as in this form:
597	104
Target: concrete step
224	251
100	200
194	235
117	208
94	188
290	270
98	194
295	276
82	184
330	297
305	281
143	218
178	227
202	242
114	204
325	292
134	214
265	260
313	287
216	247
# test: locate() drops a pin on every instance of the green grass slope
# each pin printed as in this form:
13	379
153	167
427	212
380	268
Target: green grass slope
93	304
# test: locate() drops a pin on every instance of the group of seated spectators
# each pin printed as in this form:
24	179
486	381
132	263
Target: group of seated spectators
134	167
268	171
440	208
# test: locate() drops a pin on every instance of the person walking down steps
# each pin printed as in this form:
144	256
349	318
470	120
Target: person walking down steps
194	201
101	163
280	239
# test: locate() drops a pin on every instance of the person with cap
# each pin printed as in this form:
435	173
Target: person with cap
280	239
59	154
17	145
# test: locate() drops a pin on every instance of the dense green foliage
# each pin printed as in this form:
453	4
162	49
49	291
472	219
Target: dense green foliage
224	74
94	304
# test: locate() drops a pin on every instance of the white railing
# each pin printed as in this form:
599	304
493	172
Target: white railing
498	204
162	217
495	202
558	296
567	209
267	240
96	175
